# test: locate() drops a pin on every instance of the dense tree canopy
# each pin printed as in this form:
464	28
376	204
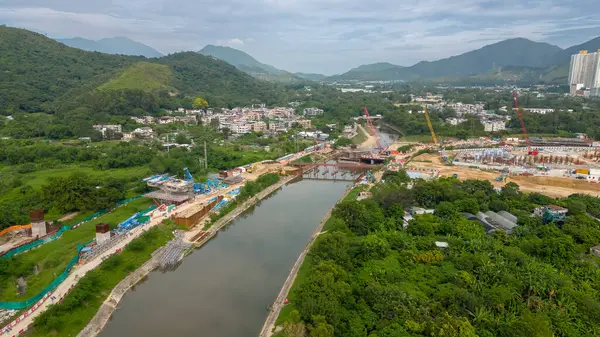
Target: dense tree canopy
370	277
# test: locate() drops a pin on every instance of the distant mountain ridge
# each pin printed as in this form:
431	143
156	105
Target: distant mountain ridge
251	66
115	45
523	58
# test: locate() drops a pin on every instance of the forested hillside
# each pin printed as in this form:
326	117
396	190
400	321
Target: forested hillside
37	70
369	276
42	75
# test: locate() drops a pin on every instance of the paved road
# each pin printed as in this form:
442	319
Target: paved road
77	273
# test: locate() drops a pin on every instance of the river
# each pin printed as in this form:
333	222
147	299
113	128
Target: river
223	288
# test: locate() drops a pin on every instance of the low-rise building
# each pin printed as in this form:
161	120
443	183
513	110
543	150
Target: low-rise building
259	127
144	132
240	128
107	129
493	125
127	136
595	251
143	120
304	123
310	112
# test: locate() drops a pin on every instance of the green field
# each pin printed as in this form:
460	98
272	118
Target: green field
68	318
143	76
39	178
52	258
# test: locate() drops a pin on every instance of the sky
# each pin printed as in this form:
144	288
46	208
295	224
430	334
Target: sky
317	36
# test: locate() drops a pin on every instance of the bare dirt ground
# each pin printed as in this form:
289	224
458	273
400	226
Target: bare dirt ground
68	216
551	186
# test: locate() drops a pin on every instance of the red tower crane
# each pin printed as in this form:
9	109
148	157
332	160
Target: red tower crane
530	152
372	128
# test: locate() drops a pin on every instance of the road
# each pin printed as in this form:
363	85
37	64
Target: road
78	272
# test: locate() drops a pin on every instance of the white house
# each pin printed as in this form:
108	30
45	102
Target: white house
144	132
493	125
312	112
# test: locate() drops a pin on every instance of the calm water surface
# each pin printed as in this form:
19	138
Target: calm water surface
224	288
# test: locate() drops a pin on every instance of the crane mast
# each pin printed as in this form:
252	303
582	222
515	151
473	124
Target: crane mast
520	114
435	141
434	137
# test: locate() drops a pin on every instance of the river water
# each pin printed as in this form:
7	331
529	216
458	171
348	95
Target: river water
223	289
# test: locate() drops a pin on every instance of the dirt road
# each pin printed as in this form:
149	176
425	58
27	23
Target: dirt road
551	186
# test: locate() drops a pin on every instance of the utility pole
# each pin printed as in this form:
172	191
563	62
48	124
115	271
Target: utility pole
205	157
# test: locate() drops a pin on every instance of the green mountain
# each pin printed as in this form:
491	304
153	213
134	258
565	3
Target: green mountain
310	76
43	75
565	55
251	66
116	45
517	52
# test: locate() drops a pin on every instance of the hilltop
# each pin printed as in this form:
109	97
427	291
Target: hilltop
253	67
115	45
43	75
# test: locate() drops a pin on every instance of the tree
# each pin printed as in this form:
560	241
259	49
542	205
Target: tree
182	139
199	103
511	191
445	210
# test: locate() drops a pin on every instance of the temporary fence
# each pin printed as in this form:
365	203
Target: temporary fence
34	244
49	288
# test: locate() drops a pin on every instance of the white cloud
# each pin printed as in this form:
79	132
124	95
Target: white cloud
235	42
314	35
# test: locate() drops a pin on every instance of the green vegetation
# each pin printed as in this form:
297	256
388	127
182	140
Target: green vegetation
360	137
342	142
250	189
82	303
305	159
143	76
369	276
248	64
42	75
52	258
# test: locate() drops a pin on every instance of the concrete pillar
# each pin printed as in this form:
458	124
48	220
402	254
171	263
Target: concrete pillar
38	224
102	233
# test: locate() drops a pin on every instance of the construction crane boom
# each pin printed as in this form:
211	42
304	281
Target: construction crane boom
520	114
372	128
435	141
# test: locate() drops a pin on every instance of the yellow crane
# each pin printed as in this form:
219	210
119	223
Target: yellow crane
433	136
435	141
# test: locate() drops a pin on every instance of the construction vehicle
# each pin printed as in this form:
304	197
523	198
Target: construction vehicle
503	177
370	177
530	152
252	168
434	137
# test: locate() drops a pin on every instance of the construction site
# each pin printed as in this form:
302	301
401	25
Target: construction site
554	166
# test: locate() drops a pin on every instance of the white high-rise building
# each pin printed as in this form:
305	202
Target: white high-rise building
584	72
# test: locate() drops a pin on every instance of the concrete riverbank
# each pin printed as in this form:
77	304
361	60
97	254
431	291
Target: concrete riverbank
103	315
110	304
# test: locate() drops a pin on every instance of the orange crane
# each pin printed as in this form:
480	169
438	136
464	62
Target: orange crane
530	152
